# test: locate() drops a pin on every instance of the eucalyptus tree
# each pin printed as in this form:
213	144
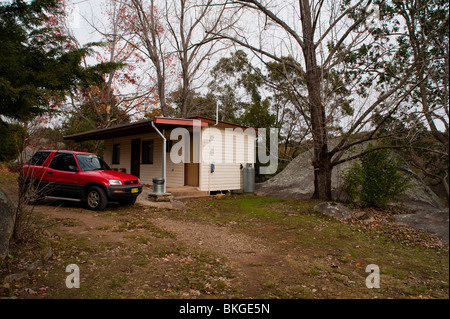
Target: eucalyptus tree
420	28
338	69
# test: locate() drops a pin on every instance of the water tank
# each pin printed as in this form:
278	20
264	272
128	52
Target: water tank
158	185
249	178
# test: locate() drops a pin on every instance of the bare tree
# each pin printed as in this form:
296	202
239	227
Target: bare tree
145	23
133	94
426	41
120	93
191	24
135	36
316	40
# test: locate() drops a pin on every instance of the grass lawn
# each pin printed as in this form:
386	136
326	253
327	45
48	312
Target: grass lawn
329	256
241	246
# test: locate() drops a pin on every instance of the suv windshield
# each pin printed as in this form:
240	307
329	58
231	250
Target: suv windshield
90	162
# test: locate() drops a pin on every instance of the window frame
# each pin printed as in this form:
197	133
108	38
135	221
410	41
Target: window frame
115	154
147	158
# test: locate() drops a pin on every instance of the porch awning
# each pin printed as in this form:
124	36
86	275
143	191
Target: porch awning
135	128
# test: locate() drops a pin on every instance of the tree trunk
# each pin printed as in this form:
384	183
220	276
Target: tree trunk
322	180
149	30
185	89
321	162
445	183
161	89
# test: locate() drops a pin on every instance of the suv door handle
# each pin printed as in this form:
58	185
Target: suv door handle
49	172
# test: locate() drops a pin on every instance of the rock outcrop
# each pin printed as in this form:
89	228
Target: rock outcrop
297	181
6	223
334	209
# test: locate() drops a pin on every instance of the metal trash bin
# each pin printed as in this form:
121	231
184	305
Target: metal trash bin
158	185
249	178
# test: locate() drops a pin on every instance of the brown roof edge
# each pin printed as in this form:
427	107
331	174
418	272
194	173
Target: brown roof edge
220	123
144	126
110	132
177	121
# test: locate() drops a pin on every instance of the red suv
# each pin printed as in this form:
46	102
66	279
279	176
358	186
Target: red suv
77	176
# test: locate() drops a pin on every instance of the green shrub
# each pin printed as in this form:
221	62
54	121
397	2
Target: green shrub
376	180
12	137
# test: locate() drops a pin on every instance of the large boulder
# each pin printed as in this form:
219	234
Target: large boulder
432	221
297	181
334	209
6	223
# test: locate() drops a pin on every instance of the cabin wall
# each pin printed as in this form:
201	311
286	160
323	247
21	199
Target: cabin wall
228	150
174	172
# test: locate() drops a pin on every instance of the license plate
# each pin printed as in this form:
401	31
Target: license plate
134	190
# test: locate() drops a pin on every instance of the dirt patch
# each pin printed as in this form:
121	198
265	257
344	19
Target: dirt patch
212	237
249	256
96	227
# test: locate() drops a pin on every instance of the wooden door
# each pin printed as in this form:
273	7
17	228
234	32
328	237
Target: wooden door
191	176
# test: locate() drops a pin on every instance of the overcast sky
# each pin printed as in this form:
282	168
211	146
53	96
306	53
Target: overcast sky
82	11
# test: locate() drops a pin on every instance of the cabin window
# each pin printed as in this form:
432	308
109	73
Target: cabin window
116	154
147	152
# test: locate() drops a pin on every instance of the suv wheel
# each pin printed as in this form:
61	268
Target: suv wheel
96	198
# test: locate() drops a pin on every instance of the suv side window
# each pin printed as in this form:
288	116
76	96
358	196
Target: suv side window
39	158
63	162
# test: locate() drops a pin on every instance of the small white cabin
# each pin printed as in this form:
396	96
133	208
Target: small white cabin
196	151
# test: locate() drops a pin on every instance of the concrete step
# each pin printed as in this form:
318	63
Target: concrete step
186	191
189	193
192	197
